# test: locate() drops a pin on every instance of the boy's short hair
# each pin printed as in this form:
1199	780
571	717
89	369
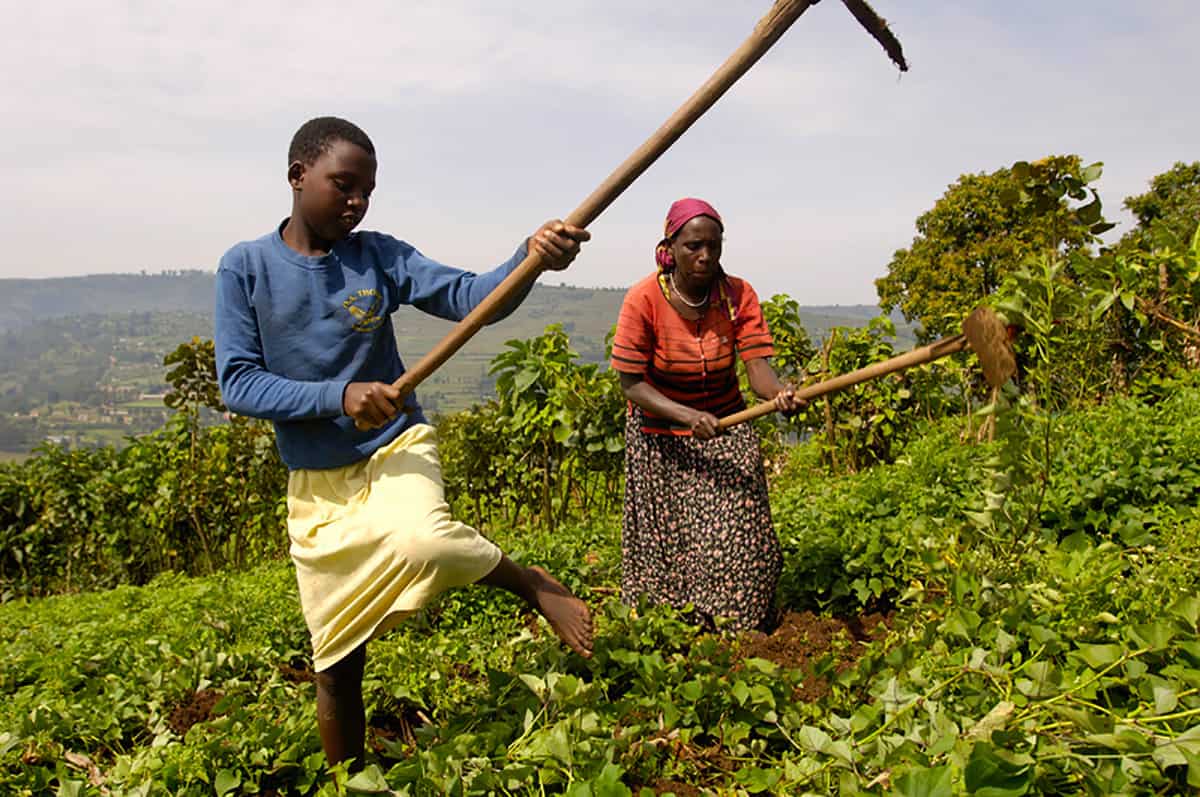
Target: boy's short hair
315	136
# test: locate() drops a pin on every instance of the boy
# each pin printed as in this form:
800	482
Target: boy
304	338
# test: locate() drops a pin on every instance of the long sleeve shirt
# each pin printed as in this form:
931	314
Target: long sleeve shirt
293	330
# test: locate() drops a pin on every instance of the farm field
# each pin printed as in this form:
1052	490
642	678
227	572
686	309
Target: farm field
918	404
919	653
988	589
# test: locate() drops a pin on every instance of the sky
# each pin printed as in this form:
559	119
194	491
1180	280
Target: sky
151	136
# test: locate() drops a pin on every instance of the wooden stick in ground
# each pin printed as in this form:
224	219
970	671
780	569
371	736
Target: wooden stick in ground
983	332
768	31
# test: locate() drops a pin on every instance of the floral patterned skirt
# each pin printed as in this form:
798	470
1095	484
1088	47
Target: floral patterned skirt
697	525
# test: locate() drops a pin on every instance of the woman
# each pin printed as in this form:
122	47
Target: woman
697	527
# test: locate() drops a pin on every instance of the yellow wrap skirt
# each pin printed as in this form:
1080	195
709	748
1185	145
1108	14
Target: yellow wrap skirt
373	542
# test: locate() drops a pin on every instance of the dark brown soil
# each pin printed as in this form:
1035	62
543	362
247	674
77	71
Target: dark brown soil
196	707
533	623
676	788
464	671
394	726
803	638
667	786
707	759
298	672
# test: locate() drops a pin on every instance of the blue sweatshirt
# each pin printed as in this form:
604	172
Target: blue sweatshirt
292	331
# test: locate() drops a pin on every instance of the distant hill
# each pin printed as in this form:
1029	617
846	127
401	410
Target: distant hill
98	341
24	301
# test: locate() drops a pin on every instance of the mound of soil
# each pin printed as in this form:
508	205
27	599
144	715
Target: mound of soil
674	787
196	707
297	672
386	729
802	639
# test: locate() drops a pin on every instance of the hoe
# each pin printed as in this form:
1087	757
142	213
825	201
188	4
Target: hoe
983	332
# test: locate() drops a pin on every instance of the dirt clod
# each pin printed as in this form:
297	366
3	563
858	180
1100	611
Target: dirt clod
533	623
196	707
298	672
803	638
394	727
676	788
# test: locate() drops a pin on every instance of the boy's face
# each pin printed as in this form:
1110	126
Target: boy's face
332	193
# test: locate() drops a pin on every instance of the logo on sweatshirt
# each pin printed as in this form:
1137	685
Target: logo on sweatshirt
364	305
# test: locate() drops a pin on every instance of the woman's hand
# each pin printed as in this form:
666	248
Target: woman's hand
370	404
704	425
786	401
558	243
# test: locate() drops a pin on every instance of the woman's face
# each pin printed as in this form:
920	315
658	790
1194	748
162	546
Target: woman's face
697	251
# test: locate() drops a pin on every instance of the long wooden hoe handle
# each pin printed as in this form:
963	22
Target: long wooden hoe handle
934	351
766	33
983	332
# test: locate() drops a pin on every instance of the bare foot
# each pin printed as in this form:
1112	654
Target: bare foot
567	615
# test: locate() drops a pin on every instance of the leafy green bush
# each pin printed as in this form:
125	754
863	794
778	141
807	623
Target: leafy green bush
1077	676
550	447
855	540
185	499
859	539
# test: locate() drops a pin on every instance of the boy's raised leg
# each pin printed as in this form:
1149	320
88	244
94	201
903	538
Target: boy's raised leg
567	614
340	716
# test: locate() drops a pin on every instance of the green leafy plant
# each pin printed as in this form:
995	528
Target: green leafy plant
551	445
869	423
1074	670
192	497
982	229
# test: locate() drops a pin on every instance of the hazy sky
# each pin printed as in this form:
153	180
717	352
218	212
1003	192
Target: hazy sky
146	135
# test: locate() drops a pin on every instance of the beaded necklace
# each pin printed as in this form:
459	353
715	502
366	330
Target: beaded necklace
702	303
665	280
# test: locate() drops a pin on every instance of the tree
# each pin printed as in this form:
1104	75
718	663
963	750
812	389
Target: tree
976	234
793	347
1171	209
193	377
553	437
193	381
1130	315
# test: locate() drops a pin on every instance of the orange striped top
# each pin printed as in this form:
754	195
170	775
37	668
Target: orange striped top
691	362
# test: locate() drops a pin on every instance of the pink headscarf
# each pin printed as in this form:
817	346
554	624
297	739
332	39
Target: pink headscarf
682	211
